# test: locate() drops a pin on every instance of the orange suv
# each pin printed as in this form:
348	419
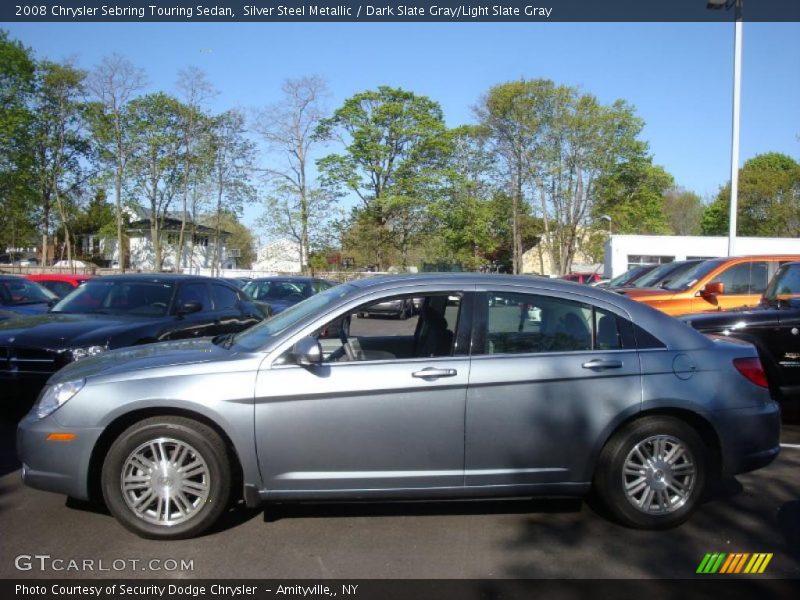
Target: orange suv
715	284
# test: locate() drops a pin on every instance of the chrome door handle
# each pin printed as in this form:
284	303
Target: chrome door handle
433	373
599	363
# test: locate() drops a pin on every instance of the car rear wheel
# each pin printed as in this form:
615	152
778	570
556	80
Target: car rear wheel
652	473
167	478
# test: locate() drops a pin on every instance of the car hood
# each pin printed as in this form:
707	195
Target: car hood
27	309
59	331
136	358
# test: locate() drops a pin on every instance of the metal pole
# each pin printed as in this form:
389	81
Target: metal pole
737	100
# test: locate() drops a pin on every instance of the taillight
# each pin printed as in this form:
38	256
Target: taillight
751	368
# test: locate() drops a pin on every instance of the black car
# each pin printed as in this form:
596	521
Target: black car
116	311
282	292
773	327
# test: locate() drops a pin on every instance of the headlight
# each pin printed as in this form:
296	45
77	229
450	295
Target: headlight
79	353
56	395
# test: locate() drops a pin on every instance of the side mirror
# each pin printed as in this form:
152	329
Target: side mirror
189	307
716	288
307	352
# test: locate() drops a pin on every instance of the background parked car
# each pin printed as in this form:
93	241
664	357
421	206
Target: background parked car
282	292
18	295
774	328
60	285
715	284
113	312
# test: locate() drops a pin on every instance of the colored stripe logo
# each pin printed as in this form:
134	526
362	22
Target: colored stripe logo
737	562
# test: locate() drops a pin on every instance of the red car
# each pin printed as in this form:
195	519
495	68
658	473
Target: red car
582	277
60	285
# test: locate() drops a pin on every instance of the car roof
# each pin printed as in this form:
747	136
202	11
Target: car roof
158	277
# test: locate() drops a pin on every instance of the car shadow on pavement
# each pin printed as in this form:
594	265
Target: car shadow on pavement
276	512
233	517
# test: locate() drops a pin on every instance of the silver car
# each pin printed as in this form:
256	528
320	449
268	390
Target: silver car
470	398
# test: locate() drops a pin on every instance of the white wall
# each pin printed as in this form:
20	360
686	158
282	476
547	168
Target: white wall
619	247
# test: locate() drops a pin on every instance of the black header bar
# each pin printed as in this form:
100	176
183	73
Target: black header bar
409	11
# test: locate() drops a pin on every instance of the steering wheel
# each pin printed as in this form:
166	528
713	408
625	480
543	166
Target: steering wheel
293	298
159	305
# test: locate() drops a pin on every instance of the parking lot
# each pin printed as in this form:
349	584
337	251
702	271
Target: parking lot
756	512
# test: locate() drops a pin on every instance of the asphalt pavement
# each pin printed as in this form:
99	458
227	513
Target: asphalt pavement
755	512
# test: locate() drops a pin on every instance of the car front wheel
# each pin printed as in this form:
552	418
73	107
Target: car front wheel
167	478
652	473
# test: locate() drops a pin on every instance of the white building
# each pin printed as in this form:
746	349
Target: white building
623	252
279	256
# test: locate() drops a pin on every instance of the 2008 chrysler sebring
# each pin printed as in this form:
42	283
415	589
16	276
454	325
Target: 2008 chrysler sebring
501	386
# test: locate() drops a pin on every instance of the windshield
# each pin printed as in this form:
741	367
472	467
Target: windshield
16	292
785	286
257	337
688	278
663	274
267	290
620	280
119	297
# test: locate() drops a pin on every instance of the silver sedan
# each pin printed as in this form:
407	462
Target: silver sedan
500	386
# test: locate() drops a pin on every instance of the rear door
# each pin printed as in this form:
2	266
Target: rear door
548	374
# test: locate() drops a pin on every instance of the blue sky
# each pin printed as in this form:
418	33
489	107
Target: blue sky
677	75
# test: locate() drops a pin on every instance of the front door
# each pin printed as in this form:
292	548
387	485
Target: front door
386	421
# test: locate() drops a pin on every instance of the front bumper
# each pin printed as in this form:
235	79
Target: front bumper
55	466
750	437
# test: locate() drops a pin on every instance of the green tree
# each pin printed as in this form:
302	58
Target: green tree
516	117
60	145
684	211
554	144
395	152
17	81
464	218
96	220
155	163
768	203
632	194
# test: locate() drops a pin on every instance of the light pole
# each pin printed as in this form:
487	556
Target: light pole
737	101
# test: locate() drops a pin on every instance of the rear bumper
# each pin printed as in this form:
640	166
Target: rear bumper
750	437
55	466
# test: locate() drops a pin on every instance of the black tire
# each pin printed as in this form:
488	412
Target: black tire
203	442
610	480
